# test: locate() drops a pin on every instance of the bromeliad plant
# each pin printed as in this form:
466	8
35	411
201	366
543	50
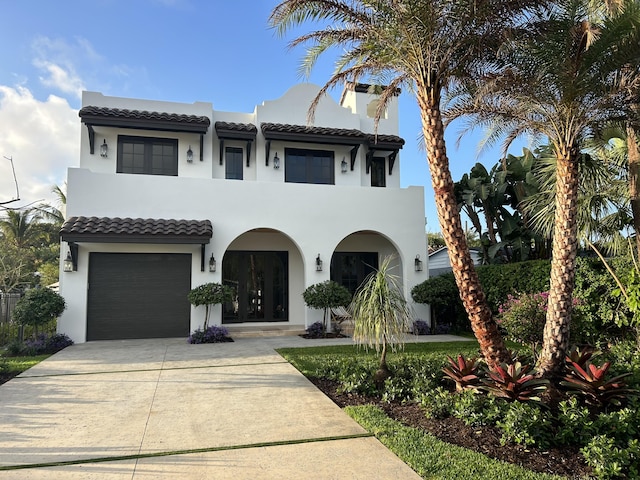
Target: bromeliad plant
464	372
514	382
591	381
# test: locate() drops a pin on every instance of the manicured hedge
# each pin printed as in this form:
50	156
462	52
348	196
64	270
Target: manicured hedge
593	289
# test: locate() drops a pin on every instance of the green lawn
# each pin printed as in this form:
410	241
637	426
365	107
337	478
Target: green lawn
428	456
12	366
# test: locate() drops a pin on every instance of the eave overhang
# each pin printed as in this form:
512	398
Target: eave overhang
93	116
236	131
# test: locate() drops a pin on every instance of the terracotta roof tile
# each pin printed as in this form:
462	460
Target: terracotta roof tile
303	129
145	230
385	140
239	127
142	114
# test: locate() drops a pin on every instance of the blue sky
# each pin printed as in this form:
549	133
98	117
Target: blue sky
218	51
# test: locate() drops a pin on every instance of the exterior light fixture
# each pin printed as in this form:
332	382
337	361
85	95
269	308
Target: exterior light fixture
190	155
104	148
343	165
418	264
67	265
318	264
212	264
276	161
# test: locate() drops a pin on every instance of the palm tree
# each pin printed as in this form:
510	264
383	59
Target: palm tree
424	46
603	205
54	213
19	228
380	313
561	78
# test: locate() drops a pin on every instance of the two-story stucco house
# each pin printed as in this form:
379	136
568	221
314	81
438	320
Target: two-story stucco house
170	196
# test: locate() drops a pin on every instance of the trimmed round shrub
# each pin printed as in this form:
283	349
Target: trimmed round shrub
38	306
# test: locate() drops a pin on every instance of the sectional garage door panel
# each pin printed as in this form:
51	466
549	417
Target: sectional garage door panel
138	295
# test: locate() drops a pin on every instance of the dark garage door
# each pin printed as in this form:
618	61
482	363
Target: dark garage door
134	295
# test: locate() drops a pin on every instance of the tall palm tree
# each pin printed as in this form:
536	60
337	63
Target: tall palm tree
561	78
424	46
603	211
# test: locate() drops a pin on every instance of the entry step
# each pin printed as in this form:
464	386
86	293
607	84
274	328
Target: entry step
265	331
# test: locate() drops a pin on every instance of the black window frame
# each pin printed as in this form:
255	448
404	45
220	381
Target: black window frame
378	172
290	175
149	143
233	163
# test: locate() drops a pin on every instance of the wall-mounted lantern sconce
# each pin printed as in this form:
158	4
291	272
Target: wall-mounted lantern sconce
276	161
343	165
70	263
418	264
212	264
318	264
190	155
104	148
67	265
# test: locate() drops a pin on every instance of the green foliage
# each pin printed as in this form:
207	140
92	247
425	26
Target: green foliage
326	295
464	372
380	311
527	425
514	382
432	458
437	403
477	410
602	312
609	460
416	377
625	358
209	294
497	281
574	423
38	306
523	319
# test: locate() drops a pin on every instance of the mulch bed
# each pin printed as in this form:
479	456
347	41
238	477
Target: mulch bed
566	461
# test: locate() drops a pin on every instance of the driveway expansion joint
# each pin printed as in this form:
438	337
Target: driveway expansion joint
159	369
225	448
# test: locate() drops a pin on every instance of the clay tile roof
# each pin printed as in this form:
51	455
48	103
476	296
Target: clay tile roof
135	230
120	117
305	130
302	133
381	141
236	130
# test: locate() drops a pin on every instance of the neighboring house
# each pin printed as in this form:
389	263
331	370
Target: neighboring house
170	196
439	261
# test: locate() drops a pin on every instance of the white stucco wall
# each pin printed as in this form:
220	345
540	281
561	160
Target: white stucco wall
303	219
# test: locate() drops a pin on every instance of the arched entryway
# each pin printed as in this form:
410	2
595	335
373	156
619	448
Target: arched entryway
359	254
263	267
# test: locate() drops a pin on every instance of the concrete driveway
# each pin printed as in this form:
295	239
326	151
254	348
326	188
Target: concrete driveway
147	409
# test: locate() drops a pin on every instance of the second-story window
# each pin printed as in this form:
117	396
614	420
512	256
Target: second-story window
378	178
233	163
147	156
308	166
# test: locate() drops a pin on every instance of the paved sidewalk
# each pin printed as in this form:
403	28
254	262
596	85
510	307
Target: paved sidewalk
233	410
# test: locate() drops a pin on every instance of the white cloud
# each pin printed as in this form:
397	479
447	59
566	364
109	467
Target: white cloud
43	139
55	57
60	78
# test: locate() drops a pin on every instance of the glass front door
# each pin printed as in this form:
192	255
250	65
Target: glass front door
260	286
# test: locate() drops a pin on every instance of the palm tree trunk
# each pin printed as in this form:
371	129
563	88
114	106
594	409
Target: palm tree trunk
483	325
563	263
633	156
